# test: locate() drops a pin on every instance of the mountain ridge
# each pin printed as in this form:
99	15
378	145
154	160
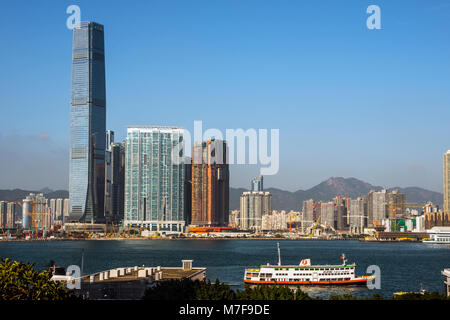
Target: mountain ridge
336	186
286	200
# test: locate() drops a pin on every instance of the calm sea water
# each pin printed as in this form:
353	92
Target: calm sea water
404	266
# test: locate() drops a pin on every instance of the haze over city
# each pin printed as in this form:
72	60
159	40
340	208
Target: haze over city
348	101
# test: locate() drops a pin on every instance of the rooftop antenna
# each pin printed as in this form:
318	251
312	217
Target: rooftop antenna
279	256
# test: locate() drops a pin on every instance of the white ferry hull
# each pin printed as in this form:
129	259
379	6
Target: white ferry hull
361	281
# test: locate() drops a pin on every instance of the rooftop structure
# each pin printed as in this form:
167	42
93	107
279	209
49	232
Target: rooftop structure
131	282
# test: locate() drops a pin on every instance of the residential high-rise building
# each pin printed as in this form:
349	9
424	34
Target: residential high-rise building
376	207
327	214
154	178
210	184
257	184
447	182
114	179
11	212
253	206
188	190
59	209
36	212
52	208
66	211
309	212
87	124
341	206
3	213
395	204
356	215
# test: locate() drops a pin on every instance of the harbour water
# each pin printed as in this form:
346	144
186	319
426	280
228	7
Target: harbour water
404	266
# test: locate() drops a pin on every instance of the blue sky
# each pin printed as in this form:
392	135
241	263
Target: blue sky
349	101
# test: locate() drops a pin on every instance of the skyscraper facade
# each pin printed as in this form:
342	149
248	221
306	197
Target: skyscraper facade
210	184
87	124
154	178
447	182
114	179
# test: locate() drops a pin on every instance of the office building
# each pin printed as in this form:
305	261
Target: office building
253	206
154	178
257	184
210	184
87	124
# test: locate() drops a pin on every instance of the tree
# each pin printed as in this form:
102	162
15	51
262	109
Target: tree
19	281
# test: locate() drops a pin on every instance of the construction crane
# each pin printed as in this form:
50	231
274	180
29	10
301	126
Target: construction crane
290	221
3	231
394	206
314	227
36	217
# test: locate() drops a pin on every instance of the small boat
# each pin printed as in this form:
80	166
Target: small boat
305	274
401	293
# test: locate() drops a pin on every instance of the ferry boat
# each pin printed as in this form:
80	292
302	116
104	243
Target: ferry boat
305	274
439	235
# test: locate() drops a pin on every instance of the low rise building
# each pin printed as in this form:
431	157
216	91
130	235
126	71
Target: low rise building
130	283
446	274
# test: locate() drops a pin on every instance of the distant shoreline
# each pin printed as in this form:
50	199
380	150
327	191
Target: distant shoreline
182	239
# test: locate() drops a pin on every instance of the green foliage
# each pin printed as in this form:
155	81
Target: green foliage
271	293
418	296
189	290
198	290
406	296
19	281
375	296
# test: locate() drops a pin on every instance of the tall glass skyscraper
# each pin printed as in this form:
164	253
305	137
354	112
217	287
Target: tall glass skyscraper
154	182
87	124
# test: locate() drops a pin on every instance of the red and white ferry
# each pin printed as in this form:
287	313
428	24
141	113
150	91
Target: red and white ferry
306	274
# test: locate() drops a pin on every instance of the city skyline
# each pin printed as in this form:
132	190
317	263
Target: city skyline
390	149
